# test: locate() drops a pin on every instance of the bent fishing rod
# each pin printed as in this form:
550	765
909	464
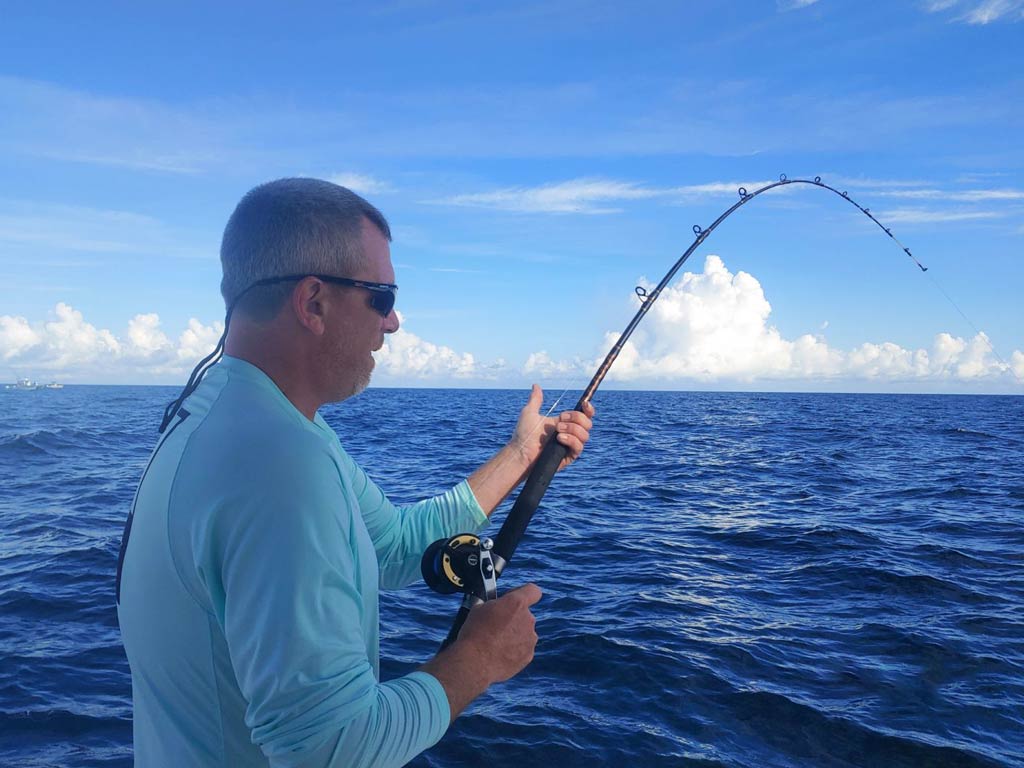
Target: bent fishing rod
468	564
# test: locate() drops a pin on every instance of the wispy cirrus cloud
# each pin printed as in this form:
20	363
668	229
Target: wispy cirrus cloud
933	216
54	122
651	117
585	195
131	158
39	229
861	182
793	5
979	13
962	196
361	183
601	196
925	202
715	188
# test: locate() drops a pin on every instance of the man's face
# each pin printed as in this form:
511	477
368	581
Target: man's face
355	329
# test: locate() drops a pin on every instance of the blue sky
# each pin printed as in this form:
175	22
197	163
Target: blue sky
536	161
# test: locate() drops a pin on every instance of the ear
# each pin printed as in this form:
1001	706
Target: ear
308	302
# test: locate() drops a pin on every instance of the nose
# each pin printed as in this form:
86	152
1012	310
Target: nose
391	322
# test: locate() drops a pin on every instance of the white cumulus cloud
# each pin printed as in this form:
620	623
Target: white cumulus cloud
198	340
16	336
714	326
68	346
541	364
406	355
1017	364
145	336
69	340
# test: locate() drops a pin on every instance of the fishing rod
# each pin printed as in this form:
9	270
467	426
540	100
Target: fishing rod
468	564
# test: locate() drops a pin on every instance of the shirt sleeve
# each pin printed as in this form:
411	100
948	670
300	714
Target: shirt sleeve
283	568
400	535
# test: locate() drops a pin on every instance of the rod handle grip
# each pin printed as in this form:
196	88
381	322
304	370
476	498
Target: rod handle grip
529	498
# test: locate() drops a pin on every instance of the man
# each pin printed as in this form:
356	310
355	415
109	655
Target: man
247	591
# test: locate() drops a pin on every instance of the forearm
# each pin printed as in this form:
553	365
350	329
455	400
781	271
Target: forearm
407	717
462	674
495	480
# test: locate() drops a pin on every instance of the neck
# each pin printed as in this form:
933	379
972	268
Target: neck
279	356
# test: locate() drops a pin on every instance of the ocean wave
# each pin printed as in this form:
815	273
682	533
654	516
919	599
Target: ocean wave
879	581
54	442
797	728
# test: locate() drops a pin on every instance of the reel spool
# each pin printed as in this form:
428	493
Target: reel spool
463	564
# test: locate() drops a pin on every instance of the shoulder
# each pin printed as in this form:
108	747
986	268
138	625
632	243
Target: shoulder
250	458
248	429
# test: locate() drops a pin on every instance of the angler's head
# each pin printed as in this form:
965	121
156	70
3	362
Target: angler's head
308	280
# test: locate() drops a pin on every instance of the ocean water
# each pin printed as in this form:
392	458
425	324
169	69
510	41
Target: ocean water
730	579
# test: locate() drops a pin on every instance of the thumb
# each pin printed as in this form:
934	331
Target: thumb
535	401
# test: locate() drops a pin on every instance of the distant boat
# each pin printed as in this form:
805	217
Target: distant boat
28	385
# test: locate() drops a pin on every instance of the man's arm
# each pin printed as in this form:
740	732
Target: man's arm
401	534
287	571
496	643
510	465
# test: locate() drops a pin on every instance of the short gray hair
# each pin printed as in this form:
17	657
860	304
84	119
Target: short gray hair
287	227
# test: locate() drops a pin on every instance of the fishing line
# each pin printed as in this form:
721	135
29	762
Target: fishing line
491	558
977	331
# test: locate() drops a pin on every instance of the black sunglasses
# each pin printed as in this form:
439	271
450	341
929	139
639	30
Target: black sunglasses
382	295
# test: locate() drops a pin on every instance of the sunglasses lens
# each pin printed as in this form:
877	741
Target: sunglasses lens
383	301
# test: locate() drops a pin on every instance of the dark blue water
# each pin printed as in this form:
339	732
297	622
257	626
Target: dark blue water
731	579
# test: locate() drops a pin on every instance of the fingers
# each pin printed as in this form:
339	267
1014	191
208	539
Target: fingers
575	417
572	434
573	443
530	593
573	429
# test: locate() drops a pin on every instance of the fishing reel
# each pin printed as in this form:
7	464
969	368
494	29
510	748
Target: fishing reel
463	563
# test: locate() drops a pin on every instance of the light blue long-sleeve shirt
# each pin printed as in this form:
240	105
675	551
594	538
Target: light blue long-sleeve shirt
248	595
